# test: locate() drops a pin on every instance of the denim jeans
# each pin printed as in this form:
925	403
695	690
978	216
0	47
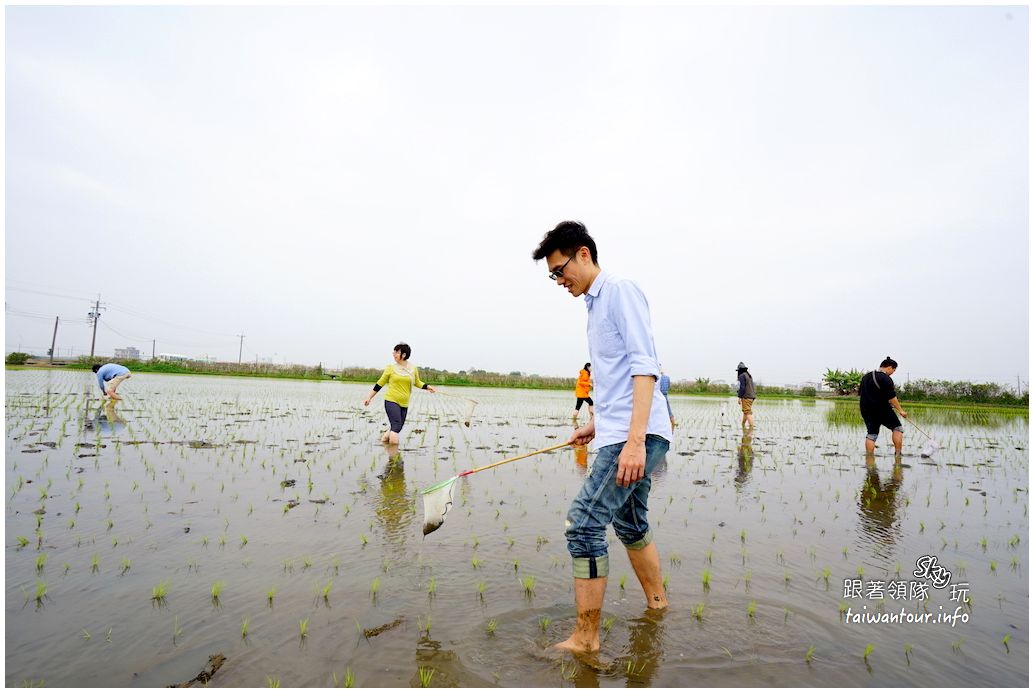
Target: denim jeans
601	502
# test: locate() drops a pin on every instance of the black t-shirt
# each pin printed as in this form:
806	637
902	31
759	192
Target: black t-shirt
874	396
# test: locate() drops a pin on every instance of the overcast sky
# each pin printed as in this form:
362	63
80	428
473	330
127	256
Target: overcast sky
794	188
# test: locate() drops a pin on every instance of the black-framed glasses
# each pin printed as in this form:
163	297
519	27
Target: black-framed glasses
557	273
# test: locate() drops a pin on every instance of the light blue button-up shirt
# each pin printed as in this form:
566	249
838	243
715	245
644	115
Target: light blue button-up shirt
109	371
621	346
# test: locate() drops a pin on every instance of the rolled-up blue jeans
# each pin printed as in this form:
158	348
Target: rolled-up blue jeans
602	502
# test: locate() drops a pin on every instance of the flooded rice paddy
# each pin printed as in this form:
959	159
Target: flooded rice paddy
263	521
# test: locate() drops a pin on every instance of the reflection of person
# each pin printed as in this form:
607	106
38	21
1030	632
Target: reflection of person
581	391
392	507
632	431
878	401
581	456
664	385
109	377
878	503
400	377
746	394
745	457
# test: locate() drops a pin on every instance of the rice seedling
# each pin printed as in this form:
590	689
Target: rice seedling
244	627
867	651
491	626
159	592
41	563
1005	641
176	630
994	566
347	681
22	542
621	582
326	591
272	683
244	541
425	626
908	653
698	611
633	668
706	579
752	609
41	592
303	628
363	540
124	566
475	563
217	589
544	623
85	634
957	645
810	654
481	590
426	675
528	582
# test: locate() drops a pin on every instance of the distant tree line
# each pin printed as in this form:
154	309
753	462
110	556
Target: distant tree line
922	390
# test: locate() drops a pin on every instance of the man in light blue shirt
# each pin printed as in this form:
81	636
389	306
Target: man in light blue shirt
109	377
631	430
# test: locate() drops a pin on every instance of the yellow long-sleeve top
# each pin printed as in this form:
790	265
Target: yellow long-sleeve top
399	383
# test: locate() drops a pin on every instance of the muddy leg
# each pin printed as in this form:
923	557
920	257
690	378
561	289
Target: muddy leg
588	598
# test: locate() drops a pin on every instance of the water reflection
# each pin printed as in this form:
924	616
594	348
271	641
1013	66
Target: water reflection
744	458
878	505
843	414
581	458
393	508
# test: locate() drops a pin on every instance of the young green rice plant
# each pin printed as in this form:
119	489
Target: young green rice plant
706	578
159	592
41	563
204	542
426	675
22	542
867	651
908	653
608	624
528	582
752	609
621	582
95	563
491	626
41	592
664	582
244	541
270	595
244	627
633	668
481	590
746	579
272	683
1005	641
475	563
994	566
217	589
124	566
809	654
363	539
326	591
374	586
544	623
425	626
347	681
85	634
698	611
303	628
306	563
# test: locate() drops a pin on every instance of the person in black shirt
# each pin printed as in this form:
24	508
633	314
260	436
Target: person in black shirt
878	401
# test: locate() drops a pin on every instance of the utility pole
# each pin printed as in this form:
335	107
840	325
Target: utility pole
94	315
54	341
241	352
152	348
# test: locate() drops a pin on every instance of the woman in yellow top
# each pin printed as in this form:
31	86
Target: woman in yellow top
581	391
400	377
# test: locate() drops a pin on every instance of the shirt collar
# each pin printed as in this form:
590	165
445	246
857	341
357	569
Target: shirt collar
597	286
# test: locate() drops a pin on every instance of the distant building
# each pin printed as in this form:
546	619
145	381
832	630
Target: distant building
127	354
173	357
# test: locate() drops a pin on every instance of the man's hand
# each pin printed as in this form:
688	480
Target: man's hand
631	463
583	435
366	402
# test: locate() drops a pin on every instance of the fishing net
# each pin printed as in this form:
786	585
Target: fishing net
930	448
437	501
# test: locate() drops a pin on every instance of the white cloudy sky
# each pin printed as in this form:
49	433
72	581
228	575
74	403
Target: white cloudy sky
795	188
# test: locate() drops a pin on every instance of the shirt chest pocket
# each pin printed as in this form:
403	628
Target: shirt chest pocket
609	341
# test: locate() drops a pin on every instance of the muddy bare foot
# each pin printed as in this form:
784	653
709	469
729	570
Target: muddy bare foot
578	646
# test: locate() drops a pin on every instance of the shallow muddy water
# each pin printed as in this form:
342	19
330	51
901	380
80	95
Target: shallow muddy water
279	496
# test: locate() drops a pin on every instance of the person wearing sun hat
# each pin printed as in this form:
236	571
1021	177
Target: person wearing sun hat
747	394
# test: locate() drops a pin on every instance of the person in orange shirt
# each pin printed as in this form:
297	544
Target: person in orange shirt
581	391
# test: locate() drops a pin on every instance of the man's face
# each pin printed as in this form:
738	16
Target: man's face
575	273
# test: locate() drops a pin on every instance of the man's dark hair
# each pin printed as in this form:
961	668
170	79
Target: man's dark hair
404	349
567	237
889	362
96	367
